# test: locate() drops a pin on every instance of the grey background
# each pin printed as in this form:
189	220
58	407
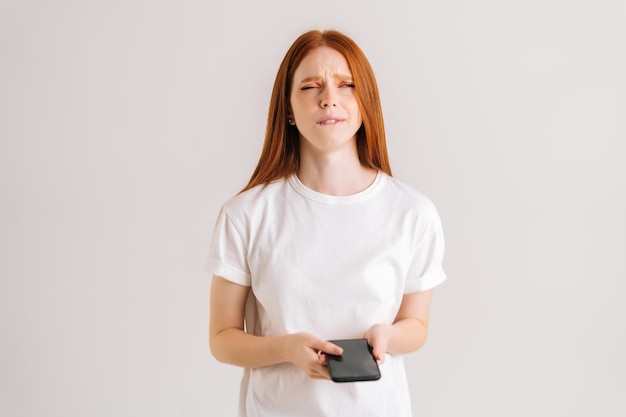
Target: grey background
125	125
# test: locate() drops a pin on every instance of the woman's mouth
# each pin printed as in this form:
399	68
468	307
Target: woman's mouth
329	120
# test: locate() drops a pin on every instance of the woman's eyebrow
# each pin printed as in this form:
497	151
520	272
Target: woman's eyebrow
344	77
311	78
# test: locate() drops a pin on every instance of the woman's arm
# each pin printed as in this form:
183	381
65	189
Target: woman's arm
408	331
231	344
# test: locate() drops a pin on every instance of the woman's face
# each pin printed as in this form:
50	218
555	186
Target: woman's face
323	103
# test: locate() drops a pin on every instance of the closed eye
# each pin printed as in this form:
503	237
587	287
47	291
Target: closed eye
348	85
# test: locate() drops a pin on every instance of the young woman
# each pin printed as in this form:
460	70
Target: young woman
322	244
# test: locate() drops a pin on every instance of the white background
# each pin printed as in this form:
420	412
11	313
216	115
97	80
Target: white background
124	126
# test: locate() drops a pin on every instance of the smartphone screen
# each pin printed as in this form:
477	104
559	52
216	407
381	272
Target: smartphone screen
355	364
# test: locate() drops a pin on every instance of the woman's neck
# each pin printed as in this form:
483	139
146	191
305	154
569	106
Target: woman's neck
334	174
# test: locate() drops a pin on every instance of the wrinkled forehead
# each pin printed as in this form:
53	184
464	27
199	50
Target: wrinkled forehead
322	62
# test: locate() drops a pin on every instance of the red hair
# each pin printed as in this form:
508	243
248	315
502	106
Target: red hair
280	156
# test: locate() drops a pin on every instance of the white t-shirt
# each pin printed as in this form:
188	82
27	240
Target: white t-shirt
332	266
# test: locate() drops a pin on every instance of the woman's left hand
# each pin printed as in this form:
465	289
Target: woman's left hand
408	331
378	338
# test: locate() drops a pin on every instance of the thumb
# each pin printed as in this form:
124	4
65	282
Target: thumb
378	349
379	353
329	348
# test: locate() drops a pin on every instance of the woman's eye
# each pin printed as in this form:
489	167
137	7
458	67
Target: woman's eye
307	87
348	85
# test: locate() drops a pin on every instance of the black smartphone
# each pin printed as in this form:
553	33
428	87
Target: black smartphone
356	363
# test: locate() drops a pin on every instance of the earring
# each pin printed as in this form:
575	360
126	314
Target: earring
290	122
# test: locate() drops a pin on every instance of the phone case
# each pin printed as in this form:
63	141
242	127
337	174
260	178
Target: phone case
357	362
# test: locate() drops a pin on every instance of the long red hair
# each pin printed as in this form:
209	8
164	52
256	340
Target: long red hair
280	156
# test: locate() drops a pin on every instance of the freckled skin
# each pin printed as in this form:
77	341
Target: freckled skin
323	90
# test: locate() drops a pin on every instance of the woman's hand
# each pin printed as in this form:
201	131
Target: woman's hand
378	338
305	351
231	344
408	331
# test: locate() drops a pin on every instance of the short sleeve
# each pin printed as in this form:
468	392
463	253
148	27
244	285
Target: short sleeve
227	256
426	270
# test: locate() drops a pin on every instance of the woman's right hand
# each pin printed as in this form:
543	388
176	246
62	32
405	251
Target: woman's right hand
307	352
231	344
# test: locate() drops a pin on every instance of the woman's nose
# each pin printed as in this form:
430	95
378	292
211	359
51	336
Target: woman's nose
328	99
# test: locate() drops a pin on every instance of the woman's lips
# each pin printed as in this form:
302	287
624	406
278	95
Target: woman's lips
329	120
